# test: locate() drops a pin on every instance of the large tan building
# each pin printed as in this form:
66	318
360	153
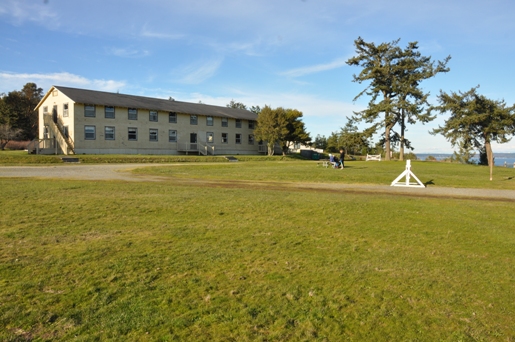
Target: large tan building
79	121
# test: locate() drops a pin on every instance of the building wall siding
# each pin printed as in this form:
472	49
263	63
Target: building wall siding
77	121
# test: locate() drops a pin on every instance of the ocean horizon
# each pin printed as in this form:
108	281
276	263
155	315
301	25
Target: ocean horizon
500	159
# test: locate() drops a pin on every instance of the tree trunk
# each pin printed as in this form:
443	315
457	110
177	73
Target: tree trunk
401	149
387	142
270	149
489	157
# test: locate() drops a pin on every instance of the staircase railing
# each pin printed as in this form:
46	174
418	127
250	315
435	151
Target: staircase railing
64	140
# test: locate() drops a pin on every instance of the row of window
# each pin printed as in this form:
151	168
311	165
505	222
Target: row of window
132	135
132	114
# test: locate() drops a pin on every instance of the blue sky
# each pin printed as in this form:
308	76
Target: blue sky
288	53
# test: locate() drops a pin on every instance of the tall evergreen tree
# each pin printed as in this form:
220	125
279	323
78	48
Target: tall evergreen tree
18	110
237	105
411	103
394	77
377	63
476	121
353	141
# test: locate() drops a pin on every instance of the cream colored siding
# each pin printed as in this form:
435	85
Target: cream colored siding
150	122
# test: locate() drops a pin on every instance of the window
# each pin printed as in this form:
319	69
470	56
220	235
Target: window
152	115
133	134
251	139
65	110
109	133
152	134
172	117
172	136
209	121
210	138
133	114
252	124
45	110
193	120
238	138
109	112
225	122
238	123
224	138
89	132
55	93
89	111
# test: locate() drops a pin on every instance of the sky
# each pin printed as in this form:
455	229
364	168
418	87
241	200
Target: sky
281	53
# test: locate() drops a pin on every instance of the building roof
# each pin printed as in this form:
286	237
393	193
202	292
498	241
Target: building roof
101	98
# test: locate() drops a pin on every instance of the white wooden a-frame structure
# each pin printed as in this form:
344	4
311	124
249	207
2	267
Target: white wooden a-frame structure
407	173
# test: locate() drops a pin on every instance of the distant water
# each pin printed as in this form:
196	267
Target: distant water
499	159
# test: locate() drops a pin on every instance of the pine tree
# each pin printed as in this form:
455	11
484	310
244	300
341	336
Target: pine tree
394	77
476	121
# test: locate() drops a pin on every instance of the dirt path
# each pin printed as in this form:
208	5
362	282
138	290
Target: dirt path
122	172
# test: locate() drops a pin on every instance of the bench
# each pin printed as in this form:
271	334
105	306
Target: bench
325	163
373	157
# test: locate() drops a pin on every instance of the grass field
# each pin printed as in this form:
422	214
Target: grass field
355	172
147	261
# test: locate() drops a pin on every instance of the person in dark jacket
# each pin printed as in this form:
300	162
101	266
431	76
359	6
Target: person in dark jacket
342	156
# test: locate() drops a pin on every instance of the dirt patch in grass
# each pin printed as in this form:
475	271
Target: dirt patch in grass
123	172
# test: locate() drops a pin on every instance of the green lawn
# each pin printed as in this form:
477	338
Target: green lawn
147	261
355	172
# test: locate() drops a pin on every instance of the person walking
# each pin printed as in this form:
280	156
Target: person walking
342	156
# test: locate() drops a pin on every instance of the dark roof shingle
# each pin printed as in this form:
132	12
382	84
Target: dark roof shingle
131	101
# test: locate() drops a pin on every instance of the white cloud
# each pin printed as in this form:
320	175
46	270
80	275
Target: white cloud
31	11
147	33
128	52
338	63
198	72
13	81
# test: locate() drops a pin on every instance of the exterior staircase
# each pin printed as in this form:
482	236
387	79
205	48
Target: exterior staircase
61	138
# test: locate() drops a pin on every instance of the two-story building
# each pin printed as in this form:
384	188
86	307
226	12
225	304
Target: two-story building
79	121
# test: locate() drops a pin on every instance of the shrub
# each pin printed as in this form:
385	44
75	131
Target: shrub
17	145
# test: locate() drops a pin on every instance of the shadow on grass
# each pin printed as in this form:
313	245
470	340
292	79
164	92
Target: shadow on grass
430	182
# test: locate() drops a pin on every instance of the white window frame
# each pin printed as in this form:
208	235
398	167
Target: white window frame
172	117
65	110
238	138
225	122
252	124
209	121
238	123
210	137
225	138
